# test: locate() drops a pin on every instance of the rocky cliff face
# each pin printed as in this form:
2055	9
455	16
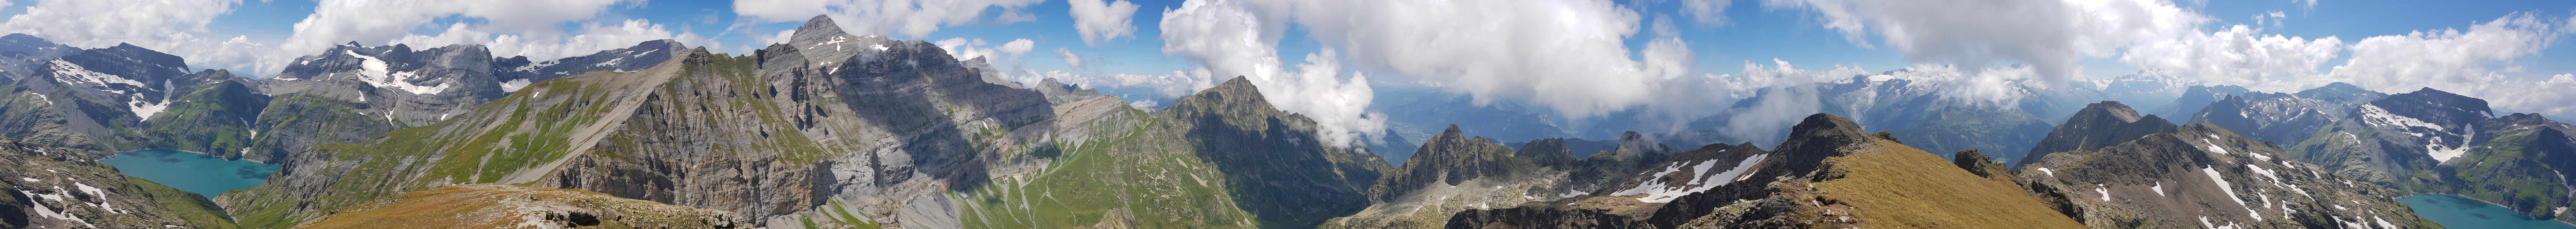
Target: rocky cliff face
22	54
1828	174
2202	175
128	98
57	187
860	132
509	206
2099	125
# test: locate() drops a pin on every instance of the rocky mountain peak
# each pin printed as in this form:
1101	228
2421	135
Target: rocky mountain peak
131	62
1236	95
1817	137
819	25
2436	106
2340	91
2097	125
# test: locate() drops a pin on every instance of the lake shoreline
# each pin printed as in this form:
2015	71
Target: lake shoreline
2570	224
181	150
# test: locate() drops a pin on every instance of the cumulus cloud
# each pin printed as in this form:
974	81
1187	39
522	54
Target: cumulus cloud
914	18
1570	56
970	48
1099	20
1231	38
168	26
1069	58
591	38
2050	37
336	22
2238	55
2460	62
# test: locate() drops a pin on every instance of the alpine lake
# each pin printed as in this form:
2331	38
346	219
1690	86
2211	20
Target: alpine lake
2461	212
192	172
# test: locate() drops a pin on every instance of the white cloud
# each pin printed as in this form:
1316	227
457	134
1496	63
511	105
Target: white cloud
1069	58
1099	20
2472	63
2048	36
2238	55
1710	12
168	26
591	38
1229	38
1571	56
968	48
334	22
1017	47
914	18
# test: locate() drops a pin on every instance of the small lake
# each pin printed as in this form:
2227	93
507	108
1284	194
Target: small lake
192	172
2461	212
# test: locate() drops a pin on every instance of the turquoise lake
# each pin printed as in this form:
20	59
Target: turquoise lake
192	172
2461	212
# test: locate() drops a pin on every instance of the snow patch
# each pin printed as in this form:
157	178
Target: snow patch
1658	192
374	72
73	73
49	101
2433	146
2213	147
514	85
641	54
146	110
2231	191
2204	223
610	62
29	179
2383	223
2160	188
2044	170
2106	193
2374	115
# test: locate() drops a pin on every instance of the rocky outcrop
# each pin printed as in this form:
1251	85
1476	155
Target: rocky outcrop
509	206
1978	163
2202	175
57	187
2099	125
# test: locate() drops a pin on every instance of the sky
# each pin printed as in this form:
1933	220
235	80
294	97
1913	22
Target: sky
1580	58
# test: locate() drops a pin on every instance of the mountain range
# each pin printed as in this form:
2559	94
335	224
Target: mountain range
837	130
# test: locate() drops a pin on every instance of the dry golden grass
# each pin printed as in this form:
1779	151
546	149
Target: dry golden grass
1895	186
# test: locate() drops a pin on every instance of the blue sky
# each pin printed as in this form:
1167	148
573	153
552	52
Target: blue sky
1754	33
1577	57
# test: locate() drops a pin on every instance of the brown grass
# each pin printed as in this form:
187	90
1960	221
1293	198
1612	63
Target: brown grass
1895	186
